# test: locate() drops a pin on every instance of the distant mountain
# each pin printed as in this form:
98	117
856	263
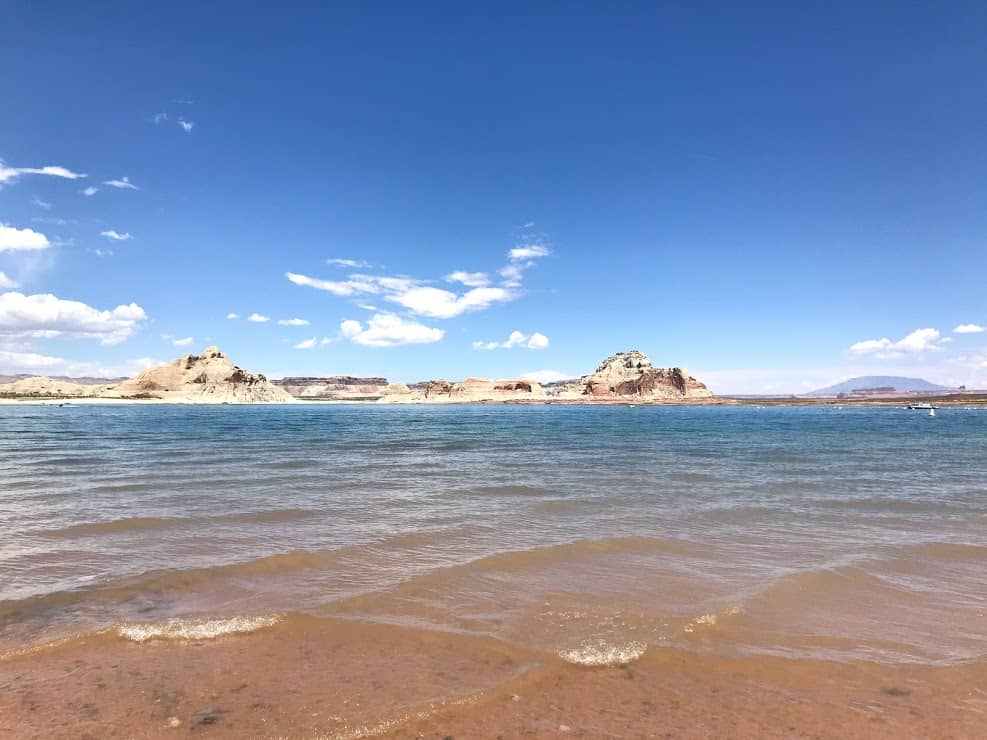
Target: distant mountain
877	384
61	379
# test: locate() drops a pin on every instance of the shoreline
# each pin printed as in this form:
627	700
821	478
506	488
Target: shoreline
977	401
337	678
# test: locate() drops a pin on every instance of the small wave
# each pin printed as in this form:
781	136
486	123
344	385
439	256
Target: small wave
710	619
137	524
194	629
603	653
515	490
947	550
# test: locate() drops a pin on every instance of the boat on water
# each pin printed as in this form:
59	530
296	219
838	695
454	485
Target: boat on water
924	406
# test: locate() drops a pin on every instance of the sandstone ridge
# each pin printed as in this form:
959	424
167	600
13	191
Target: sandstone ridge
335	388
630	376
208	377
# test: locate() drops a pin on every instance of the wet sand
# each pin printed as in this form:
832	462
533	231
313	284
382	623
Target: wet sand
323	678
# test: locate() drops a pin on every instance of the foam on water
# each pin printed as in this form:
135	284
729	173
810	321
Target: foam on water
603	653
194	629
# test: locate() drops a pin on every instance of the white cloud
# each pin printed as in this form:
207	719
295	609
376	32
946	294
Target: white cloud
258	318
31	362
340	288
919	341
516	339
389	330
28	361
159	117
102	252
969	329
537	341
357	264
116	235
14	239
41	203
123	183
9	174
547	376
307	344
46	316
184	342
528	252
444	304
187	126
232	315
90	191
469	279
293	322
51	220
6	282
422	298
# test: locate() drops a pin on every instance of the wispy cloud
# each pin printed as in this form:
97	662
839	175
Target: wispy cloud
9	174
528	252
469	279
13	239
102	252
969	329
187	126
183	342
258	318
389	330
307	344
355	264
231	315
437	303
293	322
160	117
123	183
116	235
53	220
90	191
41	203
422	298
917	342
6	282
516	339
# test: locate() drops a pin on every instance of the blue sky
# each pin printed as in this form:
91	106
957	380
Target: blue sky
776	196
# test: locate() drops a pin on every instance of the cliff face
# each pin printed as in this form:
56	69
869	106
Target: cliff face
471	390
335	388
630	376
205	378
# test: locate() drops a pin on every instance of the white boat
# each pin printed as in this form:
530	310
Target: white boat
924	406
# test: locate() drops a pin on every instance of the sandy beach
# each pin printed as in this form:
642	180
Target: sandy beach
323	678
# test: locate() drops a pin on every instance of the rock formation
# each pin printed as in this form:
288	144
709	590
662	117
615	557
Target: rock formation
43	387
335	388
630	376
205	378
471	390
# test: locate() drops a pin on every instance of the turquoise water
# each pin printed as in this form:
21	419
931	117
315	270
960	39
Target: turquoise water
819	531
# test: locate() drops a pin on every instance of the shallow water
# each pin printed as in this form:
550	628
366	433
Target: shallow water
593	534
